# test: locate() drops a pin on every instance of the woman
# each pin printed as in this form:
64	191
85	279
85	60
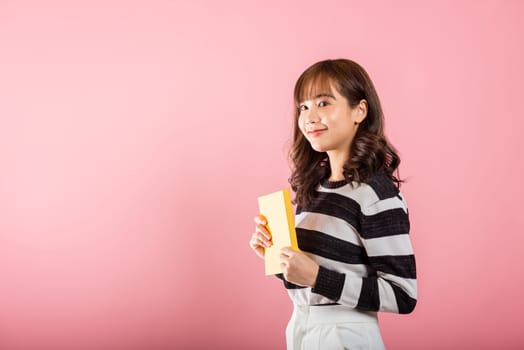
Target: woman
352	224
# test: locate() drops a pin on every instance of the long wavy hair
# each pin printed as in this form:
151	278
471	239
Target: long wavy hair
370	151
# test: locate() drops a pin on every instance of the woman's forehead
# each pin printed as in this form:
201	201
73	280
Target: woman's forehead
314	87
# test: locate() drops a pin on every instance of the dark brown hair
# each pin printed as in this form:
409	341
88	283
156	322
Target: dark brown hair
370	150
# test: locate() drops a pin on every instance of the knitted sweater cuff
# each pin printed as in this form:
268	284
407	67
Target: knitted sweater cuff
329	283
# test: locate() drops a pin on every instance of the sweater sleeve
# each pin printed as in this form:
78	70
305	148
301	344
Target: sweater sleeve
391	283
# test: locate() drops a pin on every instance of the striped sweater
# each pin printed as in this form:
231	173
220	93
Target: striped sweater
359	236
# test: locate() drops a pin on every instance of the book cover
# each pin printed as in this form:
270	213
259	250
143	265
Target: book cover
277	209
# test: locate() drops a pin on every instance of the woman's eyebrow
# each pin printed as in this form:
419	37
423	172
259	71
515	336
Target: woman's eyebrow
325	95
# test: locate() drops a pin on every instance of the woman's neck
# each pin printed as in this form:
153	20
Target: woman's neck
336	163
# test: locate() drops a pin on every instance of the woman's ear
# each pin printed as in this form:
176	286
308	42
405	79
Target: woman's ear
362	111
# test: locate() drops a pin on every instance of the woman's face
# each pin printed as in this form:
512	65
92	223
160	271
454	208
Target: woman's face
329	123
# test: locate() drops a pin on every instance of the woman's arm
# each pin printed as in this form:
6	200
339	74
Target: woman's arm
393	285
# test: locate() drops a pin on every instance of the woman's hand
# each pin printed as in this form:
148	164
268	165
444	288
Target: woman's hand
261	239
298	268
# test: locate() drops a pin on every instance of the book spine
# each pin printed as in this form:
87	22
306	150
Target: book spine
290	220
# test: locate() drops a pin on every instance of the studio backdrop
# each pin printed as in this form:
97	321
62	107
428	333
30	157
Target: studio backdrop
136	136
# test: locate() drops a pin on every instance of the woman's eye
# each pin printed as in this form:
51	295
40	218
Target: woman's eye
302	108
322	104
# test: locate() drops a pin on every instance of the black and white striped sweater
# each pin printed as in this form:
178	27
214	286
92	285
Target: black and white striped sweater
359	235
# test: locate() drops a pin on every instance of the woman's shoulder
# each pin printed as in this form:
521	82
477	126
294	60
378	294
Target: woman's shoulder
377	187
382	185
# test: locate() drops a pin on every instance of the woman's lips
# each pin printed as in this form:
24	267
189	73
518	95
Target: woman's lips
316	132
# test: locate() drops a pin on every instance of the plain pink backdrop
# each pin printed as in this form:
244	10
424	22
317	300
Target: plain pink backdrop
135	137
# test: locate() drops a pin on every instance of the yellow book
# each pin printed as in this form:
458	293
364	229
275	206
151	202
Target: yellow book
278	211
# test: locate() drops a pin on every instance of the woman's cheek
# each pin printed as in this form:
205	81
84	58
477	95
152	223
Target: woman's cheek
301	126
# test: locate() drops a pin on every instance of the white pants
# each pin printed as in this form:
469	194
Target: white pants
332	327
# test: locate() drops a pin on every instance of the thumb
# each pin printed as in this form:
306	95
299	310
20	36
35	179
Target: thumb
287	251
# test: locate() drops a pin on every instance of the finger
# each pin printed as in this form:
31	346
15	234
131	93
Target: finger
262	240
260	220
253	243
256	240
288	251
264	231
260	253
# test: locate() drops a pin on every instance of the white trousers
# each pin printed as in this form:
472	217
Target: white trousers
332	327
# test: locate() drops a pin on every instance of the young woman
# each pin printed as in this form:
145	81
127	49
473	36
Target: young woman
352	224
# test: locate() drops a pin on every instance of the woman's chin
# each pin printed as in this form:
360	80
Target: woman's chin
318	148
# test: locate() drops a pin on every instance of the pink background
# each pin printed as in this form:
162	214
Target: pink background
135	137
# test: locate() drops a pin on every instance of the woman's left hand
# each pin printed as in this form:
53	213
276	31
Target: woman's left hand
298	268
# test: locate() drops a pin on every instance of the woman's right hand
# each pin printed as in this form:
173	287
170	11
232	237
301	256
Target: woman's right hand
261	239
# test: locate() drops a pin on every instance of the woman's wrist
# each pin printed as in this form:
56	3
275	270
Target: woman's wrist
314	277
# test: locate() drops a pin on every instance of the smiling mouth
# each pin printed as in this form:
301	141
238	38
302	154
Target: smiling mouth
316	132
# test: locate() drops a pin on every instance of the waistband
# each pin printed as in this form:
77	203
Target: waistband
329	314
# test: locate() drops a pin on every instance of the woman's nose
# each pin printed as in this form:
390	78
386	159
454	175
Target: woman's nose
312	117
